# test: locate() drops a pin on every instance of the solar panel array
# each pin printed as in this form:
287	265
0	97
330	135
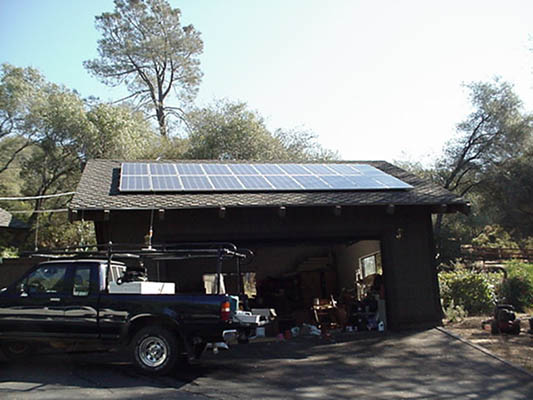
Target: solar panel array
228	177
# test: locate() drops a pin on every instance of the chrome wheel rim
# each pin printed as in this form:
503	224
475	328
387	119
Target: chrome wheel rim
153	351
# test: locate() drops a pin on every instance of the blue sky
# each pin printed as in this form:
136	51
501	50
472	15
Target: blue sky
374	79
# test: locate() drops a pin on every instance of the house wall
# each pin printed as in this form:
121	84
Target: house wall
406	243
348	260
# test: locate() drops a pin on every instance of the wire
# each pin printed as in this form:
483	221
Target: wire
45	196
38	211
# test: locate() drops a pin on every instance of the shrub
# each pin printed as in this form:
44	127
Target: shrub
473	291
517	289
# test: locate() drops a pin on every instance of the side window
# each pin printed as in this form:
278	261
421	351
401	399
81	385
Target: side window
48	279
82	281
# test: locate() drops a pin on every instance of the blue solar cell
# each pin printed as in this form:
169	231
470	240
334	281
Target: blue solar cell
337	182
254	182
196	183
391	182
134	169
243	169
311	182
368	170
225	182
269	169
162	169
294	169
319	169
135	183
166	183
190	169
344	169
366	182
216	169
283	182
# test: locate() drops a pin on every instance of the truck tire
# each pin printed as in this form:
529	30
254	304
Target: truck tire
16	350
155	350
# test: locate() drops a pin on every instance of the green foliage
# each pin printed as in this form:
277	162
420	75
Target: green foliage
8	252
144	46
494	236
517	289
229	130
473	291
454	313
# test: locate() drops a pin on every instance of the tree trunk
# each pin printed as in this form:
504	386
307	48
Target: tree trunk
161	120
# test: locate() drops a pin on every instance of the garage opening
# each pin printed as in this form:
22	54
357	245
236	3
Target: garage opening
333	285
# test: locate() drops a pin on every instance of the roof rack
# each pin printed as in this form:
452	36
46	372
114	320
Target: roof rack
157	252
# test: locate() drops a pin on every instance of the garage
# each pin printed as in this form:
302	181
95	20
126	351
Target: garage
359	235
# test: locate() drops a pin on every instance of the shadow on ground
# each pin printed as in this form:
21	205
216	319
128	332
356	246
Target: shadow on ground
418	365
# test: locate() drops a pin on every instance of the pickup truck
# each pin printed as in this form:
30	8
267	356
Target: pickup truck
66	302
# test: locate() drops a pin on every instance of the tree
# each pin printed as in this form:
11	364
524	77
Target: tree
228	130
49	132
19	89
492	136
145	47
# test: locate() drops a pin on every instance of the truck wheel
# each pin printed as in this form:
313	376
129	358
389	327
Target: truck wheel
155	350
16	350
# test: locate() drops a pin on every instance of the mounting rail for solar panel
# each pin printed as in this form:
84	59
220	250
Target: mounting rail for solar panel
157	252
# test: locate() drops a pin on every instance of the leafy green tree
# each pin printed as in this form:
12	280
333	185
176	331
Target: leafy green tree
229	130
50	132
144	46
19	88
491	137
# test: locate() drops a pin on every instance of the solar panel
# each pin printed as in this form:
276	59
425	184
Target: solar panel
269	169
225	182
166	183
216	169
135	183
190	169
196	182
254	182
162	169
243	169
220	177
283	182
134	169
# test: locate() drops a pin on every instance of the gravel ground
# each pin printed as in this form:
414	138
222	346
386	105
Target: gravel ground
517	349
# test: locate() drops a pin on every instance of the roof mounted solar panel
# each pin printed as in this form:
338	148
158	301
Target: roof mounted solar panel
259	177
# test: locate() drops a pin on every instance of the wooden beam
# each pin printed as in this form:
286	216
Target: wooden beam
282	211
161	214
337	211
391	208
107	215
222	212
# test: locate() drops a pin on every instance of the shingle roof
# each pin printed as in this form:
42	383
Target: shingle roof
98	189
7	221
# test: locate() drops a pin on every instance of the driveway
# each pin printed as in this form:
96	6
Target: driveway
417	365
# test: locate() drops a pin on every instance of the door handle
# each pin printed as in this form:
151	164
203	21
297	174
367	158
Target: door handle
55	299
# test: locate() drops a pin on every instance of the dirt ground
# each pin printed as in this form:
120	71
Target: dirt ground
517	349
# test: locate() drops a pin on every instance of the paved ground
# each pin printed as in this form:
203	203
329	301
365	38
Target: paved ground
422	365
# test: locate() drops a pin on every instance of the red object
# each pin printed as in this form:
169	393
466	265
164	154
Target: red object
225	311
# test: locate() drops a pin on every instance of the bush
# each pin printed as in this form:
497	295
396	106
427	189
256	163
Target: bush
473	291
517	289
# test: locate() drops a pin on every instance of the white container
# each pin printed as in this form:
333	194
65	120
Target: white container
247	317
142	288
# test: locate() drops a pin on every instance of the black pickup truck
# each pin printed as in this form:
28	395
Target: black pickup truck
68	302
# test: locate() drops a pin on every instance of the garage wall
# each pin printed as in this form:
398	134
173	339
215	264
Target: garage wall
405	235
348	260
